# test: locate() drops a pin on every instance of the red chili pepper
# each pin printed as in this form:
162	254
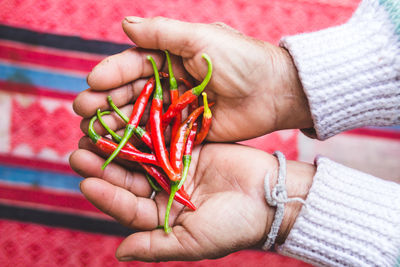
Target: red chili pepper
129	152
129	130
195	103
205	123
142	100
174	94
157	135
178	144
133	123
187	97
181	196
139	132
186	83
109	146
187	155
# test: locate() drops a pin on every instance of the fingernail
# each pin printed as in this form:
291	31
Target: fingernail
127	258
133	19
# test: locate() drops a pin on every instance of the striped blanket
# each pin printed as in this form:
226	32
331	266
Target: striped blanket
46	50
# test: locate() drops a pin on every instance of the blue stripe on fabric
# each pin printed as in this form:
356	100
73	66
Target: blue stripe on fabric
393	8
41	78
36	178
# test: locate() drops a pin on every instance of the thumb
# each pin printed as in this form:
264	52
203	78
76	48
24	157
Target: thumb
180	38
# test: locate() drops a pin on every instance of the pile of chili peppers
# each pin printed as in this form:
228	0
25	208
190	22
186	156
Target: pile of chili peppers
165	168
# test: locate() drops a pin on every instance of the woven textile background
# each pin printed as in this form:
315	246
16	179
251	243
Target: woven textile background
47	47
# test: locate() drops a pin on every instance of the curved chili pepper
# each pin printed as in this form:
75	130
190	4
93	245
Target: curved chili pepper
187	97
187	156
142	100
178	144
174	94
157	135
139	131
174	189
195	103
138	110
181	196
186	83
108	146
205	123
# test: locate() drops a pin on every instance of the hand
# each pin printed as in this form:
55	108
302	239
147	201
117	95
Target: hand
254	84
226	182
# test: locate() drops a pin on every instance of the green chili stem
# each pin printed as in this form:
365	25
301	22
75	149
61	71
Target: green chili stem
198	89
158	92
92	134
152	183
117	110
173	85
127	135
114	135
174	188
139	131
186	164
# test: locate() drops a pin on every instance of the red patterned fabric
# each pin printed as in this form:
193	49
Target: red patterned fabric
101	19
39	130
24	244
43	119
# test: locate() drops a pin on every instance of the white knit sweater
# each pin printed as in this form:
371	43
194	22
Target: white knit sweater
351	76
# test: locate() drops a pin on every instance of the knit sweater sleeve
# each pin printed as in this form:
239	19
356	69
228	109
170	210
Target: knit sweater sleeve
350	219
351	73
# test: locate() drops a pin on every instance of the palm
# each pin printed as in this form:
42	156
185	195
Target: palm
229	209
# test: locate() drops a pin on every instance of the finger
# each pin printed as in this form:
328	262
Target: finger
87	102
125	207
180	38
88	164
119	69
157	246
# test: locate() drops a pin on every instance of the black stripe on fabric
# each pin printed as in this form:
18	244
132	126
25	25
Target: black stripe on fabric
64	220
60	41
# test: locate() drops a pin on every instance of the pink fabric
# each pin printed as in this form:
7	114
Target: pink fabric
43	128
101	19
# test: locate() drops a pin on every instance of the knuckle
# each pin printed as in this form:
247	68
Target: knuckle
158	20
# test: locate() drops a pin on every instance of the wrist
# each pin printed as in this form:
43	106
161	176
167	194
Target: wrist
299	177
293	111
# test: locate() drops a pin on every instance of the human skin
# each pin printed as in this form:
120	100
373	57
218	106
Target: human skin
254	85
256	90
226	183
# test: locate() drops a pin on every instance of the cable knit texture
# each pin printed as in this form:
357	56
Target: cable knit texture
350	219
351	73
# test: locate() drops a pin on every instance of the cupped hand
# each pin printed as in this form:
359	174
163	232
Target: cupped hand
254	84
226	184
